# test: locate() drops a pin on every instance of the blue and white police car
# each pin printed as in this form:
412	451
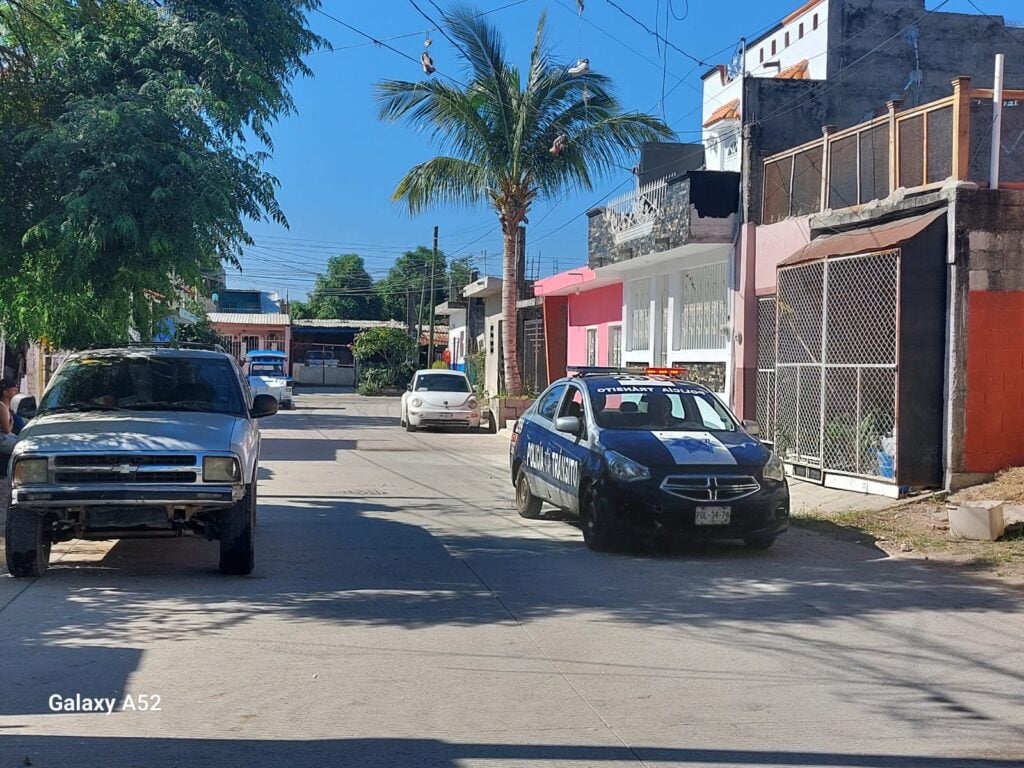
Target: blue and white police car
646	453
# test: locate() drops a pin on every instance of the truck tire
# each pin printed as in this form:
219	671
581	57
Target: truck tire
28	546
597	533
238	535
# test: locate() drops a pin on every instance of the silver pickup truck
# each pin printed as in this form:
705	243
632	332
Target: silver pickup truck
138	442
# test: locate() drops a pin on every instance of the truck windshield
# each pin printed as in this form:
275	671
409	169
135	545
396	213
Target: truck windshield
137	382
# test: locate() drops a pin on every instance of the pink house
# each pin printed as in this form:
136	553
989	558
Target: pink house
249	331
582	319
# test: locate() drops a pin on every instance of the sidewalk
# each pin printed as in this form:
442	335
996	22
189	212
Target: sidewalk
812	499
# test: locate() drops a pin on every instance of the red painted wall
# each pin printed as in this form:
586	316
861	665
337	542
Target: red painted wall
556	310
994	437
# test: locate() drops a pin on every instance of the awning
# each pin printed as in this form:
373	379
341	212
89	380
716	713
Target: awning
877	238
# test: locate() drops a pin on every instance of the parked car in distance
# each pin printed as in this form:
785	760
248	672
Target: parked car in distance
321	358
267	375
647	453
439	398
138	442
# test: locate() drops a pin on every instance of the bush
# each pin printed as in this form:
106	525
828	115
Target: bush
385	353
440	364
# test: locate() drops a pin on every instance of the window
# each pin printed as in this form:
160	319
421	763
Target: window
573	405
774	48
814	22
787	40
549	402
441	382
762	55
251	343
236	347
671	407
615	346
639	314
711	417
801	30
275	342
591	346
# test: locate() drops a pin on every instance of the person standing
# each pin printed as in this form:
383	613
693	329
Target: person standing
10	422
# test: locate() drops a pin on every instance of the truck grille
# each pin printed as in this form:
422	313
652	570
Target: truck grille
100	476
711	487
119	460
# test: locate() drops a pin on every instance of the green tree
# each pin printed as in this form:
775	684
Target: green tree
511	140
345	291
126	167
388	350
410	276
202	331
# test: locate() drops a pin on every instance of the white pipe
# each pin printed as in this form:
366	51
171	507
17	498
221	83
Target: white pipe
997	122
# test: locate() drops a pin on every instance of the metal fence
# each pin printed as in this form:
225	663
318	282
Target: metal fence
532	353
835	378
703	313
633	214
766	313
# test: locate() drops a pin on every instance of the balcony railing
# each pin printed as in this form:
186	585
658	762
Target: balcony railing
633	215
918	149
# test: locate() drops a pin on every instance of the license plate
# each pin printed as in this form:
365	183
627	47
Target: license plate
713	515
445	415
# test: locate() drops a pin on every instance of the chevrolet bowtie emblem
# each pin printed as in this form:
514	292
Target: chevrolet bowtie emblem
124	469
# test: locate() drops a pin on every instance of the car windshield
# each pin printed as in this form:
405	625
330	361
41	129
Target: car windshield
441	382
669	407
137	382
266	369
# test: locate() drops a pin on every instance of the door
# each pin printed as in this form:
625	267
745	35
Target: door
569	452
538	433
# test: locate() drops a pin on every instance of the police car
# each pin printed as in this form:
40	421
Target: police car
646	453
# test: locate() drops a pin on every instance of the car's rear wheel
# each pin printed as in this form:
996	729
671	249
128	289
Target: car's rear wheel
527	504
759	542
28	545
597	532
238	535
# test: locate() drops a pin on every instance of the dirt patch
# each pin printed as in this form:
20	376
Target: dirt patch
1008	486
920	531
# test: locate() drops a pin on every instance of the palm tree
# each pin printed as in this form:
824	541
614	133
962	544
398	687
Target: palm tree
511	143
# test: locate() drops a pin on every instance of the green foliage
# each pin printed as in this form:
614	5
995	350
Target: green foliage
410	275
125	171
440	364
387	349
499	129
200	332
344	292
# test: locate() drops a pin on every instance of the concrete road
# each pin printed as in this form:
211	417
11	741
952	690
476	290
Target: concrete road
401	614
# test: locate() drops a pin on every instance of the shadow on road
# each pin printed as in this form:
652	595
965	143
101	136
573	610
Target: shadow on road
45	751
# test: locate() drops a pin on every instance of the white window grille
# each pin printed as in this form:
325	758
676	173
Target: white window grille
236	347
639	313
666	320
591	346
703	312
251	343
633	215
275	342
615	346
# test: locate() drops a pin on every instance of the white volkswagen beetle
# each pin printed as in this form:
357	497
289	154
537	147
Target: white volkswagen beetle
439	398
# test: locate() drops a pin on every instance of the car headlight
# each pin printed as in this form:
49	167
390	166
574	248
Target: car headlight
623	469
473	404
416	402
221	469
31	472
774	469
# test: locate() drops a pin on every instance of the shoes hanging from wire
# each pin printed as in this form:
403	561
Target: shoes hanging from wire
579	4
587	96
581	67
559	145
428	63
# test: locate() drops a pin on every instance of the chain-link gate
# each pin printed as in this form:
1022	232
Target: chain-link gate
836	360
766	367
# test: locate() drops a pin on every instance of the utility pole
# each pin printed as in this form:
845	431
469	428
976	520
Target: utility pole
433	270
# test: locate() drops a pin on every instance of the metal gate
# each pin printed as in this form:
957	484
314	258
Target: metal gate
533	355
766	366
836	363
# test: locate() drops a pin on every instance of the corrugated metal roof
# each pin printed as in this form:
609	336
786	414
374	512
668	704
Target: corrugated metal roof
347	324
249	318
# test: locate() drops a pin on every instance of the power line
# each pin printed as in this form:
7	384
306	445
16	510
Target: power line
665	41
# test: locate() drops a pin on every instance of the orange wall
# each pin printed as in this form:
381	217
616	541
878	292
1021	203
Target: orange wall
994	437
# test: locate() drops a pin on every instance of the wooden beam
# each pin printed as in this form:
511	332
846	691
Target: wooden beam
961	128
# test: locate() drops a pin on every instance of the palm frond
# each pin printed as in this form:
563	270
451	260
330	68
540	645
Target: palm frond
443	180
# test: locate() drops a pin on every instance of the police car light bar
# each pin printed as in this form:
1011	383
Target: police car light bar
666	371
585	370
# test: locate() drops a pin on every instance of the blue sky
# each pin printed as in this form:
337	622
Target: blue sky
337	164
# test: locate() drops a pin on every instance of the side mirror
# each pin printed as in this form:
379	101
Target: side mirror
752	427
570	424
264	405
25	406
408	387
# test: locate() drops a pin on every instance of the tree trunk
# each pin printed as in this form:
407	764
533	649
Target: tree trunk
509	297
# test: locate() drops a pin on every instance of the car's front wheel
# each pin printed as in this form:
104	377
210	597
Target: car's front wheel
527	504
28	545
238	535
409	426
597	532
